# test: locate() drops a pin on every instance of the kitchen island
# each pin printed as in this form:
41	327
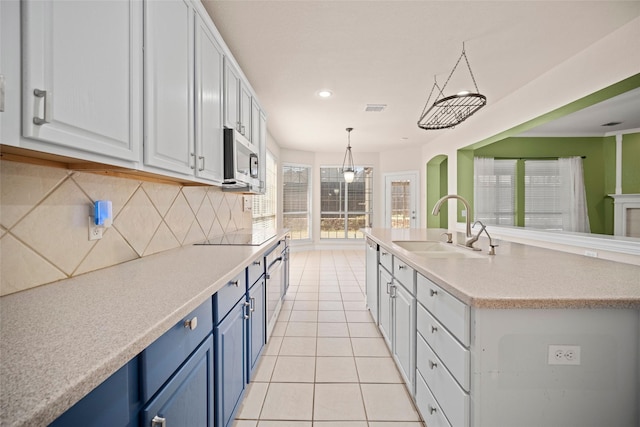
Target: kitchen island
526	337
61	340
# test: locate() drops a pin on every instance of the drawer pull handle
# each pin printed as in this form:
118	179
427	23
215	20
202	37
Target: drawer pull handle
191	324
432	364
384	253
434	329
402	267
432	409
201	168
257	262
234	283
158	422
433	292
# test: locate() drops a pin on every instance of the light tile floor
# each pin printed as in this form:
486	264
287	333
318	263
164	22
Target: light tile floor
326	364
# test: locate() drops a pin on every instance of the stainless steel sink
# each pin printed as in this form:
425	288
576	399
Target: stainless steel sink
436	249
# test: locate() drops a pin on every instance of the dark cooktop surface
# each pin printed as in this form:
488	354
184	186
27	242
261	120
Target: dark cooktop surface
241	238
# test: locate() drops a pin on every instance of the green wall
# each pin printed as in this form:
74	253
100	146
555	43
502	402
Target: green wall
631	163
437	186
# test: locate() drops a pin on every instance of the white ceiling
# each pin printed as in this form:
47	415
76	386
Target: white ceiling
388	52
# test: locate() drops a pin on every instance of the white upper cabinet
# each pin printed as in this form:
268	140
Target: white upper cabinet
169	106
82	76
209	127
231	96
245	111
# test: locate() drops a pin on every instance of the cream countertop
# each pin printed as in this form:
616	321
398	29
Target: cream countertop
60	341
520	276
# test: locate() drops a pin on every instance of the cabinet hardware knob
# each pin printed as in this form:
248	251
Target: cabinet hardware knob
191	324
252	306
47	107
158	422
402	267
388	285
433	292
432	364
193	165
434	329
234	283
247	311
257	262
201	168
432	409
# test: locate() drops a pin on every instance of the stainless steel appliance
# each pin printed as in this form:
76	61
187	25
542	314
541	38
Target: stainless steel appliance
241	162
277	264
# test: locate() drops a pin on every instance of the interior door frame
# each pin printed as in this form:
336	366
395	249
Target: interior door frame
414	178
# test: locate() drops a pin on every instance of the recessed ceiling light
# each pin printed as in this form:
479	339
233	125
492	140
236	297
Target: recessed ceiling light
375	108
324	93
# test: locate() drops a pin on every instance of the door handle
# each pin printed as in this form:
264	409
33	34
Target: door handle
47	107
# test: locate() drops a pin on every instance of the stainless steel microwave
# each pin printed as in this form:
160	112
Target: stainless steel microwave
241	161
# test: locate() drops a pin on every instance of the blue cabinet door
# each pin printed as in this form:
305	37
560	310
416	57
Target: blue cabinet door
187	398
230	363
257	324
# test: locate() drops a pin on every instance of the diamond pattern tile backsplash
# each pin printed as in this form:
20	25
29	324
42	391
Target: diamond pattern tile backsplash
44	214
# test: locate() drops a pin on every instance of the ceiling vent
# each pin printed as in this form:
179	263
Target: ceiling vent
612	124
375	108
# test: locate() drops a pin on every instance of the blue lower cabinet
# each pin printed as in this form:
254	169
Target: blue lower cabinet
257	325
230	362
106	406
186	400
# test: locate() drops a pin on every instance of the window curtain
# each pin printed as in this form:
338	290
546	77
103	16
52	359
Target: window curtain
574	214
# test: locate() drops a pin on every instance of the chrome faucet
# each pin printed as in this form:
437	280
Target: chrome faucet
475	238
436	211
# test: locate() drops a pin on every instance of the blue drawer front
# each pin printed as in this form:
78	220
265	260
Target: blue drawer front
228	296
255	271
187	399
161	359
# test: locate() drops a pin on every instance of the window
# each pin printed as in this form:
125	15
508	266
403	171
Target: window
494	191
296	207
345	208
264	205
400	204
542	194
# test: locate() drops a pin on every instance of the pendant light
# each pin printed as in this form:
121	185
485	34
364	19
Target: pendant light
347	164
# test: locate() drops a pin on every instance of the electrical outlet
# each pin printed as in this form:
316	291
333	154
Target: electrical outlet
95	231
563	355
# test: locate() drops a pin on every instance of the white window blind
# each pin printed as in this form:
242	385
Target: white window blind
542	194
494	191
296	187
264	205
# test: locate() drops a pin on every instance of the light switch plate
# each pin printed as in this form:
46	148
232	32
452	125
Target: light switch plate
247	203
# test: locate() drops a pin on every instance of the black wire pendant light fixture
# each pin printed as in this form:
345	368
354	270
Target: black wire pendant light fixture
449	111
348	170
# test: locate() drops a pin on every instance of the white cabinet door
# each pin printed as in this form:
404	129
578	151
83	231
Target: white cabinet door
372	278
82	70
169	139
209	135
255	122
10	72
231	96
385	309
404	332
245	111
